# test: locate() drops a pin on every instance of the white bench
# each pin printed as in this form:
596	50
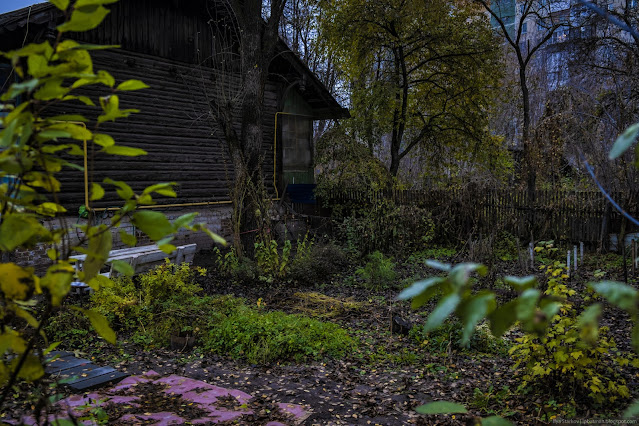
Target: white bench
143	258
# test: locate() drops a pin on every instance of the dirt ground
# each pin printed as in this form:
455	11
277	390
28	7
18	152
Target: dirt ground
366	387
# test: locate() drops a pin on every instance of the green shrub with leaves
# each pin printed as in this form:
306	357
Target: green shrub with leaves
271	261
34	149
565	359
506	247
387	227
162	301
316	267
378	272
245	333
239	268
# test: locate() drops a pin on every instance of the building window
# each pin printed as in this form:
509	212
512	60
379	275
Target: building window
540	25
524	28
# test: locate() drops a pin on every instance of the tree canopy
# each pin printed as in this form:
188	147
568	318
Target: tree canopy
418	74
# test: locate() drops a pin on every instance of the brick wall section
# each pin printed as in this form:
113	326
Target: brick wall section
218	219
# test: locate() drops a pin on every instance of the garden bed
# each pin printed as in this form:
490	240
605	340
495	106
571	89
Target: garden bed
382	377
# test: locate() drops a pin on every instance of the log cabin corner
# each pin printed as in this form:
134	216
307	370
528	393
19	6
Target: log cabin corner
169	44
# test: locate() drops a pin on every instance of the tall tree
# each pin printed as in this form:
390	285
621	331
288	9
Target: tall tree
420	73
526	26
247	35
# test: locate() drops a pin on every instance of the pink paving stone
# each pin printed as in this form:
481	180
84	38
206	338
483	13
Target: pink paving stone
163	418
201	393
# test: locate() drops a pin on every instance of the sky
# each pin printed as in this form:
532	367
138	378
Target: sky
9	5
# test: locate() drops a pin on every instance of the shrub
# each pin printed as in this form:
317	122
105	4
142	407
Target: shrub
245	333
322	262
241	269
157	303
563	359
387	227
379	271
506	247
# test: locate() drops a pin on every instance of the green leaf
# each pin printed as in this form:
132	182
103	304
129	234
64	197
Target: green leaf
60	4
132	85
165	189
100	323
632	410
441	407
495	421
75	131
84	19
98	281
31	369
185	219
128	239
123	267
152	223
103	140
167	248
521	284
527	304
58	281
111	107
16	229
623	142
621	295
125	151
445	307
419	288
473	310
438	265
460	273
97	192
100	241
202	227
124	191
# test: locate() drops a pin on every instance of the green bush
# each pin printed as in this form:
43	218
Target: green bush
387	227
565	359
322	262
160	302
379	271
240	269
506	247
257	337
71	328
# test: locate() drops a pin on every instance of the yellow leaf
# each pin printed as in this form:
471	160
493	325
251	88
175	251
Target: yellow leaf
16	282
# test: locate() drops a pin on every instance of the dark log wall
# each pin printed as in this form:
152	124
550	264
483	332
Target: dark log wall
162	44
175	128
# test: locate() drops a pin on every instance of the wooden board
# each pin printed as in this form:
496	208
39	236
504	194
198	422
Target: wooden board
80	374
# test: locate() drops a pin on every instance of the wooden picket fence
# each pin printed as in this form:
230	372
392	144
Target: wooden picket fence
561	215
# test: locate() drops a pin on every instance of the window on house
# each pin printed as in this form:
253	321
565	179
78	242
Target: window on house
524	28
296	142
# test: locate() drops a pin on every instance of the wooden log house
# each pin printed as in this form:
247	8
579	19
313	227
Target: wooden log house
171	46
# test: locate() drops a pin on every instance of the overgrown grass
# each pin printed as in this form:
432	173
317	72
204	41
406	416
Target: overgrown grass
166	301
260	337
